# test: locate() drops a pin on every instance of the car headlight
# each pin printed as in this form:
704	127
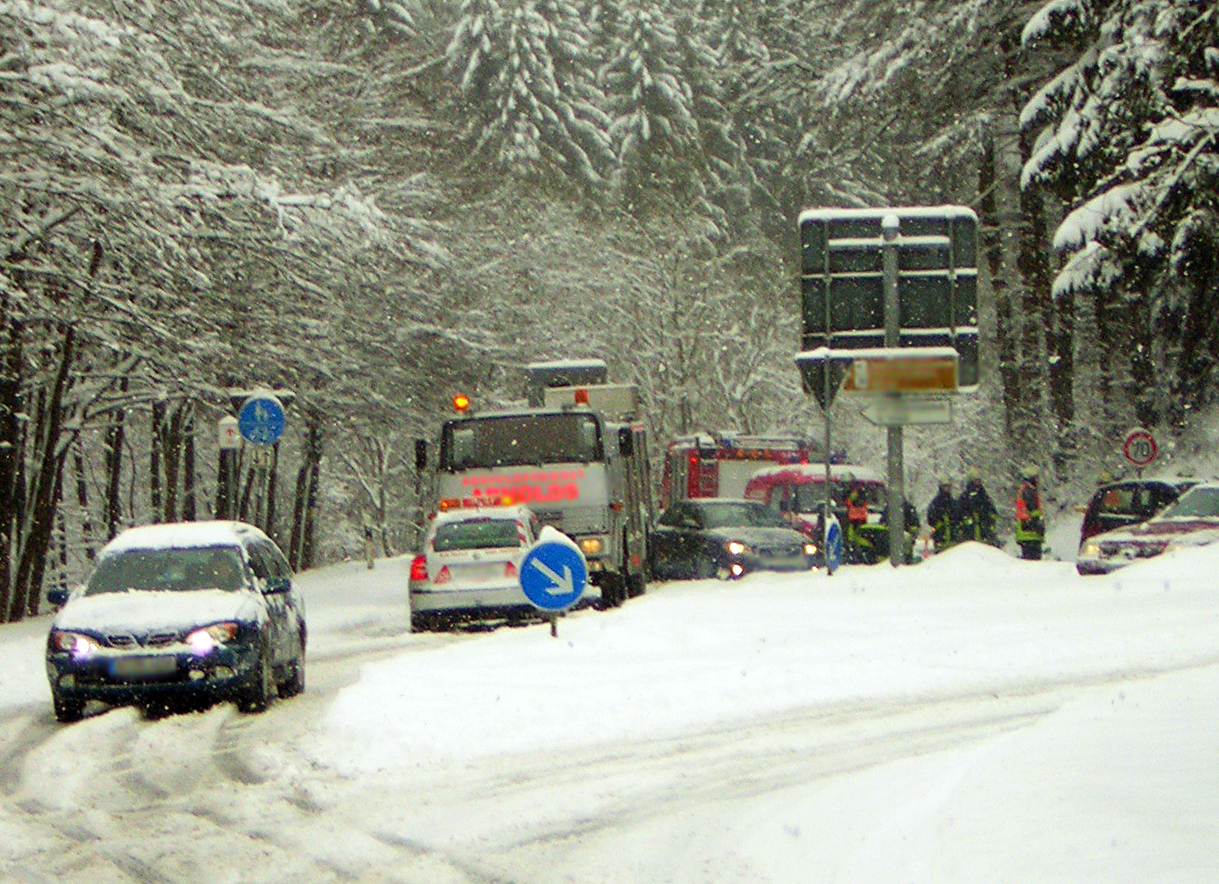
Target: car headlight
810	549
736	548
1090	550
75	643
591	546
205	640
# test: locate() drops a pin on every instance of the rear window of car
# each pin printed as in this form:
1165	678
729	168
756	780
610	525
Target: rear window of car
476	534
168	570
1195	502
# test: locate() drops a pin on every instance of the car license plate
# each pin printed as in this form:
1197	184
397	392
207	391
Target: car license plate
479	573
143	667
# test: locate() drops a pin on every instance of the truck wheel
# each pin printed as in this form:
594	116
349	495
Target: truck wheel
637	584
613	590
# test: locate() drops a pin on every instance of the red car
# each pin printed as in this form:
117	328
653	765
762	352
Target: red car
1193	520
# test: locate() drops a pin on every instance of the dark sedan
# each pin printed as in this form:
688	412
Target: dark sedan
192	612
726	538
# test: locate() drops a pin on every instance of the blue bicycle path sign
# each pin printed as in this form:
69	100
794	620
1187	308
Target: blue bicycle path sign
553	575
261	419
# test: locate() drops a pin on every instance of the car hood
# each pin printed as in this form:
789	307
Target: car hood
758	536
145	611
1204	530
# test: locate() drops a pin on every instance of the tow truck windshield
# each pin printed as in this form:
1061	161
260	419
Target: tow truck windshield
520	440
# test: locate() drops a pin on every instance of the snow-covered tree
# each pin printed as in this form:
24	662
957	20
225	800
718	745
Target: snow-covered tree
1128	135
524	82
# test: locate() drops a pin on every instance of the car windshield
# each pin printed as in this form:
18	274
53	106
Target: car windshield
740	515
476	534
520	440
810	497
173	570
1195	503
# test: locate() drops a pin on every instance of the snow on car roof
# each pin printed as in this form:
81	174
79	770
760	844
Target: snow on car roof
175	535
816	471
465	514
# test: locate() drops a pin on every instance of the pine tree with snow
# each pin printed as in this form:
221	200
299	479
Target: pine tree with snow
1128	135
524	76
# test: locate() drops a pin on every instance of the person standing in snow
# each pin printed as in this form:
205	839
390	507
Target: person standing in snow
1030	522
943	518
977	511
856	501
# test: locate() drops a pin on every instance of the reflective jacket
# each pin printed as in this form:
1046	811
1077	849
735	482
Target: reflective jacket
1029	523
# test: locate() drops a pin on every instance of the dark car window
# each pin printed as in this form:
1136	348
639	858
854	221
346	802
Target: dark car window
731	514
268	561
169	570
676	514
476	534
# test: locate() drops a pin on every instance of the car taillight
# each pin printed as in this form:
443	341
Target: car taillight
419	568
442	576
509	569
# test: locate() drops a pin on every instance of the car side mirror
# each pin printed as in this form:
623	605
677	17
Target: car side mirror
58	596
276	585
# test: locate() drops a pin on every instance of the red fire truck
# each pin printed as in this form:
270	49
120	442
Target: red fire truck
720	464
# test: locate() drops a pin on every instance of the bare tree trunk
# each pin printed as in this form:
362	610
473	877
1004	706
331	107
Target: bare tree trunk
82	501
11	432
114	440
155	497
189	497
305	506
46	488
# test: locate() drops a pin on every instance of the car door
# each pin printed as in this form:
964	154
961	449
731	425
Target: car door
283	619
689	541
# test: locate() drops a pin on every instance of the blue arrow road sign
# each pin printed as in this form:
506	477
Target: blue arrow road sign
553	575
833	545
261	419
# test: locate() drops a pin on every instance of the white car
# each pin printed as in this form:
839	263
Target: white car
469	568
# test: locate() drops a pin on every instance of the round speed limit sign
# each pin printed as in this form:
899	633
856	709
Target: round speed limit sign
1140	447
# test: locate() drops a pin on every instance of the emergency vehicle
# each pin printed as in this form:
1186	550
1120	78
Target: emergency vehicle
579	461
797	492
720	464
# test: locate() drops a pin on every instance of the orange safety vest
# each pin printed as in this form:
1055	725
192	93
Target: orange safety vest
1022	506
857	508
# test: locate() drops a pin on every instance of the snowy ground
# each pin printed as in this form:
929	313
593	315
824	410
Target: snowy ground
971	719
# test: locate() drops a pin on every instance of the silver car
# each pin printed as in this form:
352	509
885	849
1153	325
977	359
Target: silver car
469	567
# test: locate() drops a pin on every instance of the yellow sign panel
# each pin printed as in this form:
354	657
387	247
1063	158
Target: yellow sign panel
902	374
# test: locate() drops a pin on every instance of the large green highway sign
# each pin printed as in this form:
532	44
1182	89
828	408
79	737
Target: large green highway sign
843	282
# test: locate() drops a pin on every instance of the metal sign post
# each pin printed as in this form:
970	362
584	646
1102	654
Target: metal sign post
899	282
890	227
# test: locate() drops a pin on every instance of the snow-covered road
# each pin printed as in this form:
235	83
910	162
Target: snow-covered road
975	718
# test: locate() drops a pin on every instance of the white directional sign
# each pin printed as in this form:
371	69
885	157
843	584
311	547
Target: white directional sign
898	411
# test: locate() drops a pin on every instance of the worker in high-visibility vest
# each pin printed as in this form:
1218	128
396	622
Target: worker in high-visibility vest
1030	521
856	502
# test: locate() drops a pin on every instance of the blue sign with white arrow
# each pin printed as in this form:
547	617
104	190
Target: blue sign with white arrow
553	575
833	545
261	419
